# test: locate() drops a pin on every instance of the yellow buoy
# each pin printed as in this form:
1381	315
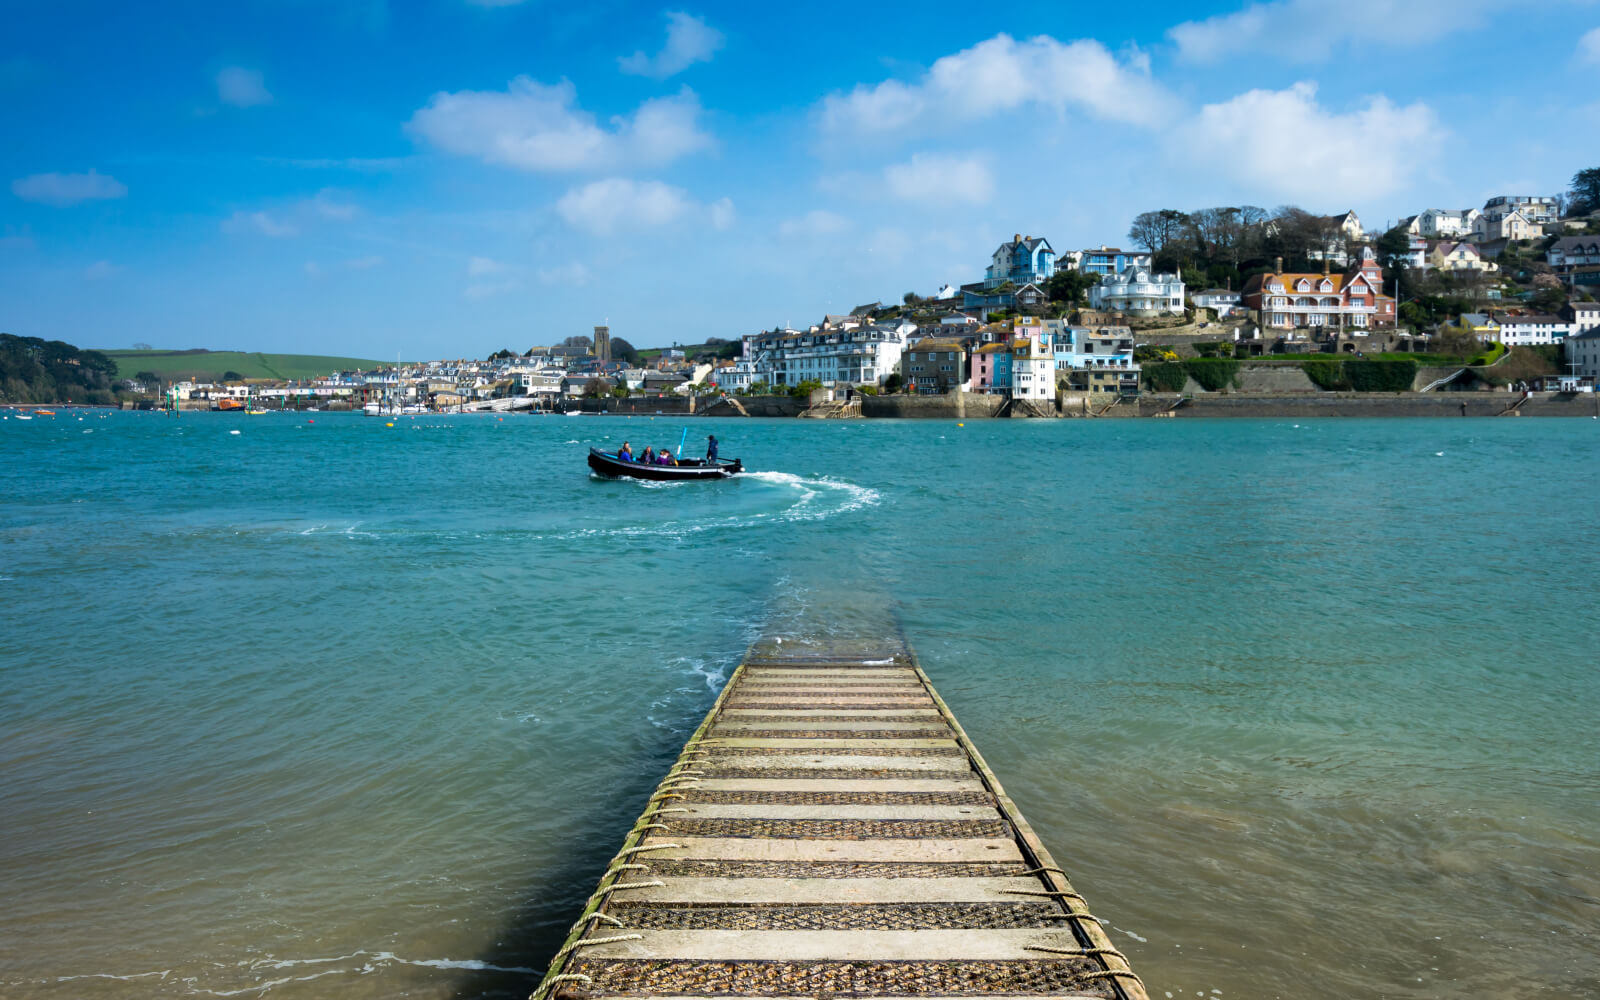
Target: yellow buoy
389	424
961	425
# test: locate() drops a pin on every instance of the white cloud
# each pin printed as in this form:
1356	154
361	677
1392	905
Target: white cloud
1311	31
242	88
258	222
722	214
484	265
1000	75
936	178
817	222
689	40
617	203
532	126
1589	47
64	190
363	263
1300	151
101	269
567	274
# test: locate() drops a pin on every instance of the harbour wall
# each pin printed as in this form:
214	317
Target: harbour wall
1354	404
953	406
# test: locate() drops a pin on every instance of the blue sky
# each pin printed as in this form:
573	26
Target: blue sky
443	178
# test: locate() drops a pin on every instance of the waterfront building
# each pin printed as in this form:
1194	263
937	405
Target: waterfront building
1024	260
936	365
1459	258
991	368
1583	354
1138	292
1527	331
737	376
1324	304
1535	209
1096	360
854	355
1033	361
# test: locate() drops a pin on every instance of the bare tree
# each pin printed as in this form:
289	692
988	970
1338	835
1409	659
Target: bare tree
1155	230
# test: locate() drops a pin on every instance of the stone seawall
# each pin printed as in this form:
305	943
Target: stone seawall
1352	404
955	406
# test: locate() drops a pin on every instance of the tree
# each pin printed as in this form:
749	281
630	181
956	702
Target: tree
911	299
148	378
1393	248
1068	286
893	382
505	352
804	387
232	377
579	341
1585	192
597	387
623	351
1154	230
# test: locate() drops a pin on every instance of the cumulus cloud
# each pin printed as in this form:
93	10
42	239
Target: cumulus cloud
689	40
940	179
532	126
617	203
817	222
65	190
721	214
259	223
1589	48
1300	150
1000	75
1309	31
242	88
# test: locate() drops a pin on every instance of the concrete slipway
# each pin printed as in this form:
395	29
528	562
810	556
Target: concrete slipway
830	830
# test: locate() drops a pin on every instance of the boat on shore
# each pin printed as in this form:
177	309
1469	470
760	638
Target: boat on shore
606	463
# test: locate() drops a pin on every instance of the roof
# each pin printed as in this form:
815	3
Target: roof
1572	242
936	344
1530	320
1217	291
864	310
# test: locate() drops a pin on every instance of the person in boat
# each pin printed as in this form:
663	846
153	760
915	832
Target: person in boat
664	457
711	449
625	453
648	456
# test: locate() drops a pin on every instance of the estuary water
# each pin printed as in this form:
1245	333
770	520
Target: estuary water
310	705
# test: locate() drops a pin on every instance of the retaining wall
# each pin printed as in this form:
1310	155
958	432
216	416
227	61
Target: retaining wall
954	406
1351	404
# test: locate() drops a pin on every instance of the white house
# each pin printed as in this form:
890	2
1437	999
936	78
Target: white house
1459	257
1573	251
1442	223
1222	300
1526	331
1584	316
862	355
1033	363
1537	209
1139	292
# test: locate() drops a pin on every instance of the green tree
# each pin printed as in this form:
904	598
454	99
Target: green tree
1585	192
623	351
1155	230
232	377
597	387
805	387
893	382
1393	248
147	377
1069	286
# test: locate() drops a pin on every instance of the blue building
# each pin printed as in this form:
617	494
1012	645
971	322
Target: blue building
1107	260
1024	260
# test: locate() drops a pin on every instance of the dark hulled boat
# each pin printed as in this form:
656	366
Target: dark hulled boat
607	464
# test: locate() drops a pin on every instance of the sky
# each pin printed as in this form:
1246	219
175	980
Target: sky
445	178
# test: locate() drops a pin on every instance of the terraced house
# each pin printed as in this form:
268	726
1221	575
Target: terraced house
936	365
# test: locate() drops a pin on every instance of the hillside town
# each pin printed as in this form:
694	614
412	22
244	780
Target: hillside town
1241	283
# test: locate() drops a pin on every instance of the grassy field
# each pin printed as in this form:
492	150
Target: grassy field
212	365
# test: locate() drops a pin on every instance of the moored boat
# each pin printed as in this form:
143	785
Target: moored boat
606	463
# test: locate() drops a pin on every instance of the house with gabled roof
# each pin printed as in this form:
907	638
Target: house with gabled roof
1023	260
1327	304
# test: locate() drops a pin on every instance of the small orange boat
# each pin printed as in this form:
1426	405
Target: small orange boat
44	413
229	404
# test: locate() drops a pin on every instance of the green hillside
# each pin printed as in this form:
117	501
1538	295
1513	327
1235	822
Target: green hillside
212	365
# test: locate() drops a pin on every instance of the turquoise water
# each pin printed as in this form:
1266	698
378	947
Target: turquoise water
1306	709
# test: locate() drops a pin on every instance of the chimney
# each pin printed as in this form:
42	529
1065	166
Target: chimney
1277	268
1016	237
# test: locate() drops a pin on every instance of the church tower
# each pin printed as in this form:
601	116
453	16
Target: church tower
602	343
